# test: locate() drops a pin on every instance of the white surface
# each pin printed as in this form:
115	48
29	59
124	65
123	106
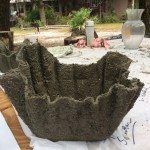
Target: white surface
134	131
7	140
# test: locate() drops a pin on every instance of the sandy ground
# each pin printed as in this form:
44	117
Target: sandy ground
54	37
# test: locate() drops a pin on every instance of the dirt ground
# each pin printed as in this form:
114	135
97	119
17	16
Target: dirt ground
54	35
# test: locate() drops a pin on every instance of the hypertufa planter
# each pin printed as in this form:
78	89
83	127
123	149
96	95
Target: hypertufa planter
7	58
70	102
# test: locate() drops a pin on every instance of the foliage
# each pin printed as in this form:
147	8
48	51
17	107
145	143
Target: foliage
79	18
75	19
33	15
22	23
40	23
123	17
110	18
96	19
64	20
51	16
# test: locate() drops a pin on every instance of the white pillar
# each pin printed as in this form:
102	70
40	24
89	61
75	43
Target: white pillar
89	32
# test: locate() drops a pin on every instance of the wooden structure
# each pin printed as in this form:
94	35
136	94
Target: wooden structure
11	118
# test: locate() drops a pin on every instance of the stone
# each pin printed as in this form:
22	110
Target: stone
70	102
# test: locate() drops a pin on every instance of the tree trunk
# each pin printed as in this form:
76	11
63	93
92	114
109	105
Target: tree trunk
24	8
60	6
42	12
4	15
145	4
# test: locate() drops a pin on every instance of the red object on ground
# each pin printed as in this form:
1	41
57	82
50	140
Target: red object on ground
80	44
97	42
100	42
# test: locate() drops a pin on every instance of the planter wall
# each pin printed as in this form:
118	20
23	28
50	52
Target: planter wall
70	102
7	58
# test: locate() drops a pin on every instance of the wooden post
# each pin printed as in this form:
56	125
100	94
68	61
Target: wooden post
60	6
24	8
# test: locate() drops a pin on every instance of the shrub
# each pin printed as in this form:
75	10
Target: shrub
79	18
33	15
40	23
96	19
123	17
22	23
63	20
51	16
110	18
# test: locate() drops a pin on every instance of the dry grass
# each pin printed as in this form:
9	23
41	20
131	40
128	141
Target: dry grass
18	31
108	27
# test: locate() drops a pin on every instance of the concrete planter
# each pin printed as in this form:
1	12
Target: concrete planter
7	58
70	102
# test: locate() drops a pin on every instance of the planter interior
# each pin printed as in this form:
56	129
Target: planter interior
70	102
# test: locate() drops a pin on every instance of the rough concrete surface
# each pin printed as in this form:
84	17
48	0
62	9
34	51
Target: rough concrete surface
70	102
7	58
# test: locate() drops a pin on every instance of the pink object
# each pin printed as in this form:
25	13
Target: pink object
80	44
98	42
106	45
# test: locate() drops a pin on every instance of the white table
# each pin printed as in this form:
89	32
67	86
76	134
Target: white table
7	140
